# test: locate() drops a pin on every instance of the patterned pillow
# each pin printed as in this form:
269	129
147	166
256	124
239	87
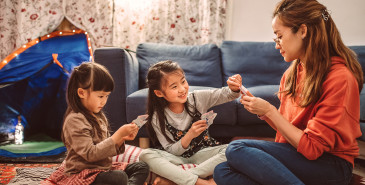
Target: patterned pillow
131	155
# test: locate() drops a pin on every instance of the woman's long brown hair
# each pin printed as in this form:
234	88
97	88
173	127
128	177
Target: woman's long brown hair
89	76
322	41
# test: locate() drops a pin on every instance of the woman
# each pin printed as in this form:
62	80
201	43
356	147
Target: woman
318	120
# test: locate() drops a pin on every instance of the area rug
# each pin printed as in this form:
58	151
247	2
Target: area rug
34	159
9	171
38	148
34	146
18	174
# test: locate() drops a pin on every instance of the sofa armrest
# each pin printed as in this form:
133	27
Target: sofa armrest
123	67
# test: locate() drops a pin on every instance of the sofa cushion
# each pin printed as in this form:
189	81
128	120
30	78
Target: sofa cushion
259	63
136	104
202	64
229	131
362	105
360	52
362	128
226	113
362	113
266	92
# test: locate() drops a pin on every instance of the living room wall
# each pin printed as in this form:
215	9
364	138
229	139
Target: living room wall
249	20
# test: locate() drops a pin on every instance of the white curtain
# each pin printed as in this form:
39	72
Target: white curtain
121	23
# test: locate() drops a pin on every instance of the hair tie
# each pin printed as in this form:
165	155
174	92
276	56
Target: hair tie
325	14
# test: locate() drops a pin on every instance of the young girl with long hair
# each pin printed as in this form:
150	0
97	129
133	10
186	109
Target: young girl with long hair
318	120
90	147
174	122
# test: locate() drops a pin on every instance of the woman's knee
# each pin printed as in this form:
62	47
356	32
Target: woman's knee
233	148
236	148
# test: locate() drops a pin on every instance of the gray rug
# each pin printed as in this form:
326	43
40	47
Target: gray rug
31	176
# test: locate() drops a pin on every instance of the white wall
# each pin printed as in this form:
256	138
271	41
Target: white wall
250	20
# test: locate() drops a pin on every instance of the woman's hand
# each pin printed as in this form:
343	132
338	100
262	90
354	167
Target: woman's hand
234	82
197	128
256	105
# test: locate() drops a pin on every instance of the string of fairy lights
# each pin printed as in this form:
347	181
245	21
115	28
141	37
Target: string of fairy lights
37	40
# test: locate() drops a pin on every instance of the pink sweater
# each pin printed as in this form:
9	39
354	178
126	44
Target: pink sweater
331	124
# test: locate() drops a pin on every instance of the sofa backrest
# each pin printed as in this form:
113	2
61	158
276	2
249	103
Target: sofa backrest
259	63
360	52
201	63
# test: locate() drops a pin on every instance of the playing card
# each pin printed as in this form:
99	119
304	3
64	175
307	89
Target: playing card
209	117
141	120
243	90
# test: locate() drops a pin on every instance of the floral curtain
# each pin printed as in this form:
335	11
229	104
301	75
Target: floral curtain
23	21
93	16
121	23
186	22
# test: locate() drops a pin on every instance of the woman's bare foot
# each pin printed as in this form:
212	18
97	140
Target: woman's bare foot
205	182
162	181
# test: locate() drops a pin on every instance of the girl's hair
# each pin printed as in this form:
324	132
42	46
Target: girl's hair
155	81
90	76
321	43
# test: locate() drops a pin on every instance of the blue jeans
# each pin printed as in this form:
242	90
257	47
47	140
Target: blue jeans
264	162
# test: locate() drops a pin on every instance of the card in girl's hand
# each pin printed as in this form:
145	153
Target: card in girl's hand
209	117
141	120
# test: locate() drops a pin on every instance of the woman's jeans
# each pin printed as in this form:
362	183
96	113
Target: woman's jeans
265	162
135	174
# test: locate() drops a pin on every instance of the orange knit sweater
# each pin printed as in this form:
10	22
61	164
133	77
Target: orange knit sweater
331	124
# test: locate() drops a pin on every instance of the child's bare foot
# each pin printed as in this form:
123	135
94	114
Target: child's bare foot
205	182
211	181
162	181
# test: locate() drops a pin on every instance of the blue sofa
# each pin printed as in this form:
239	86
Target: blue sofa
206	66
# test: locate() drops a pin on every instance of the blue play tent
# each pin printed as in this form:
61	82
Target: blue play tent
33	82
